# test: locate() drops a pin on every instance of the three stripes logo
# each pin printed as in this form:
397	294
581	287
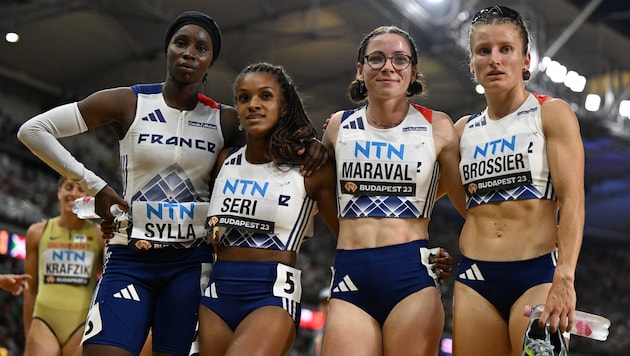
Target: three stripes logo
235	160
211	291
472	274
345	285
478	122
155	116
355	124
129	293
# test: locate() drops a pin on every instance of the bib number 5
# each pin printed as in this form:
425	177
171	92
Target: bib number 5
288	283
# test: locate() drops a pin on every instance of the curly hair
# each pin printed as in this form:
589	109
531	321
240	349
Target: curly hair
294	127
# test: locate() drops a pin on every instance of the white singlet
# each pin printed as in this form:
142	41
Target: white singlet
390	173
167	158
261	205
506	159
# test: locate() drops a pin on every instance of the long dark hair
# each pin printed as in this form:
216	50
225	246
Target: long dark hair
294	127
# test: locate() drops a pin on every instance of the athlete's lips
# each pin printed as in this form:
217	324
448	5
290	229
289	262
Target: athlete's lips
255	117
495	73
388	80
185	66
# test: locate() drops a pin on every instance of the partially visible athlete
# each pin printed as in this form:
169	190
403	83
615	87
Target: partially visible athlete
66	255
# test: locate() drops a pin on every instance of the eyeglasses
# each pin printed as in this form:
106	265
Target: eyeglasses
497	11
377	61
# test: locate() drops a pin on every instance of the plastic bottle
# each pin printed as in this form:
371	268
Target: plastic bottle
586	324
84	208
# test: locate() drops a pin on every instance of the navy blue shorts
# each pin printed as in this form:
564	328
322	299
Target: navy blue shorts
237	288
376	279
158	289
502	283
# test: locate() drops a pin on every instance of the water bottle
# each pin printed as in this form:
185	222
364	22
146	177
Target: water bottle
586	325
84	208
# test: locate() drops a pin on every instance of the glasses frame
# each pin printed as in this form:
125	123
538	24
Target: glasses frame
391	60
499	11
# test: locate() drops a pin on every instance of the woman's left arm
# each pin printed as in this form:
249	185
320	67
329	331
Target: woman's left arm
565	154
321	186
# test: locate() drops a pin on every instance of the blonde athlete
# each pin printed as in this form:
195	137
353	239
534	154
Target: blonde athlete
66	254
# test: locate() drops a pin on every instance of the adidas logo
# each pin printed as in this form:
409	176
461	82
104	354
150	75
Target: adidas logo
155	116
355	124
129	293
235	160
345	285
478	123
472	274
211	291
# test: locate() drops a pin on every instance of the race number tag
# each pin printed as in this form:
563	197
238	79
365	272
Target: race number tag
168	223
288	283
426	255
68	266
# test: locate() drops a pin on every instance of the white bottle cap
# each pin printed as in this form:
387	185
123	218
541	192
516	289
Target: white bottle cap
115	210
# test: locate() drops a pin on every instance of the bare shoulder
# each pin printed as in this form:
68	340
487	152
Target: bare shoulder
441	118
461	123
556	107
124	96
228	113
557	115
332	129
443	127
35	231
115	105
335	118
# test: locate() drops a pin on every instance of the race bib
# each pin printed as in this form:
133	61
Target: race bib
498	165
288	283
68	266
161	224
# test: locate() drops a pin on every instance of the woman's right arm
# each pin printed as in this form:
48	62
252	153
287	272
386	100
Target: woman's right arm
115	107
41	133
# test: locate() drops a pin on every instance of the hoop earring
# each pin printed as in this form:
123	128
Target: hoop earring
526	75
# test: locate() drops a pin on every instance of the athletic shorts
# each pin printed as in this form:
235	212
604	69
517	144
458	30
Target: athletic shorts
376	279
502	283
158	289
237	288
